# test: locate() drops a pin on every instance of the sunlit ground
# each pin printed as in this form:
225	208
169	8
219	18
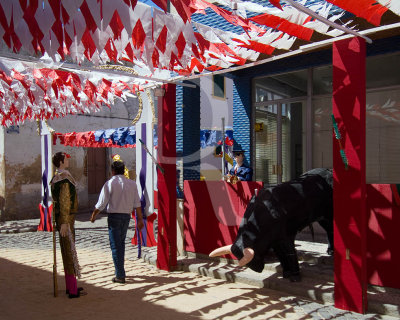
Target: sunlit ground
26	264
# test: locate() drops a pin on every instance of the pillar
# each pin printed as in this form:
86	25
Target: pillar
166	241
349	107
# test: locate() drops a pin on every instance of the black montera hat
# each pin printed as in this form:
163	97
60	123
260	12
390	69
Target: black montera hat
238	151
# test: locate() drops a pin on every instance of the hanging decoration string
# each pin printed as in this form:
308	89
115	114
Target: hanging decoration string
338	138
137	92
39	129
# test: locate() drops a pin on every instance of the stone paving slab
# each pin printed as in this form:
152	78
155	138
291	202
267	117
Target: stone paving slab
149	293
314	296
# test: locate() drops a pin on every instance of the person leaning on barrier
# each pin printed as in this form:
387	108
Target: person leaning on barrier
240	172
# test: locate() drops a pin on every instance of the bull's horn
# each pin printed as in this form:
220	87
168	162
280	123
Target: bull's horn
221	251
248	255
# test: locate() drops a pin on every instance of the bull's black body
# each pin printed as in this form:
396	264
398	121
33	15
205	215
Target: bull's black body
273	218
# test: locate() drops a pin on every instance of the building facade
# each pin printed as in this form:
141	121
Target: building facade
286	106
20	160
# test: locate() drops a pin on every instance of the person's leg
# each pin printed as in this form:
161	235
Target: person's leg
117	228
66	282
113	231
69	271
124	229
72	285
70	277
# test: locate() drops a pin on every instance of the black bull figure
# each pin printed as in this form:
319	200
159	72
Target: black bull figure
275	215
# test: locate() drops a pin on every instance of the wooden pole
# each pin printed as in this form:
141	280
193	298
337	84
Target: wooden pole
55	284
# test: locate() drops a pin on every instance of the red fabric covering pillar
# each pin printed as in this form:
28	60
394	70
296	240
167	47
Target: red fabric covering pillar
349	193
166	241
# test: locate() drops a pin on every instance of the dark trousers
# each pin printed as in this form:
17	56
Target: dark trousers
117	228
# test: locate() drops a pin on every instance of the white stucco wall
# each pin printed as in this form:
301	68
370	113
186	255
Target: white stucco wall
213	109
22	163
20	172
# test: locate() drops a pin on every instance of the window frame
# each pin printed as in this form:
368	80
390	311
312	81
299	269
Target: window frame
214	84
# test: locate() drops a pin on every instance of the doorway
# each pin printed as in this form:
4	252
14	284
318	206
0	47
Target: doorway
279	141
96	164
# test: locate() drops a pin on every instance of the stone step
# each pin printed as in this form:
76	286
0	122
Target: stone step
317	279
317	288
384	300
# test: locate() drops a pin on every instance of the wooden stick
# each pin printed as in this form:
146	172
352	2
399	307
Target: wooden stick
152	157
55	284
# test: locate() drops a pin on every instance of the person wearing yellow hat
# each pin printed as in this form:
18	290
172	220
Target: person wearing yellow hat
117	157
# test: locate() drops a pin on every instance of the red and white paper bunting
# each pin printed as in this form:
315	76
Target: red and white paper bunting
112	31
33	93
116	30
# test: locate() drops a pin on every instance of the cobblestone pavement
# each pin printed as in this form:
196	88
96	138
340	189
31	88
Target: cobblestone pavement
26	263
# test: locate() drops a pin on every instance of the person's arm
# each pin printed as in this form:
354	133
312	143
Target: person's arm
65	208
227	177
101	203
249	174
140	223
137	206
94	214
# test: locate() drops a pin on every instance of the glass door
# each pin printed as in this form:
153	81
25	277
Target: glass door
266	136
280	102
279	141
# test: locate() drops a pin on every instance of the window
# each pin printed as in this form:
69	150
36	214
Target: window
219	86
281	86
382	118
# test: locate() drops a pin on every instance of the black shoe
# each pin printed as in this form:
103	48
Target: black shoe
118	280
71	296
79	294
79	289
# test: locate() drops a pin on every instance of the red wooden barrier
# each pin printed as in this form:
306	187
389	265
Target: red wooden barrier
383	236
213	211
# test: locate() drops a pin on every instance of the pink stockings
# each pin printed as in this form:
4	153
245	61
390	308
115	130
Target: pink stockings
70	283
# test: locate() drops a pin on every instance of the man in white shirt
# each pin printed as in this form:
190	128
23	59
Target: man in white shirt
121	197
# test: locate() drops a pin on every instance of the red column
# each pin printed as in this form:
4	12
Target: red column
166	241
349	187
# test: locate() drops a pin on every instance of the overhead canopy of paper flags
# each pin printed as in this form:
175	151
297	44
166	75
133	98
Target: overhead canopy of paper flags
125	137
30	92
90	33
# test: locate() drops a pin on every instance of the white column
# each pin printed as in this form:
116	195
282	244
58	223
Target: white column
47	165
147	118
